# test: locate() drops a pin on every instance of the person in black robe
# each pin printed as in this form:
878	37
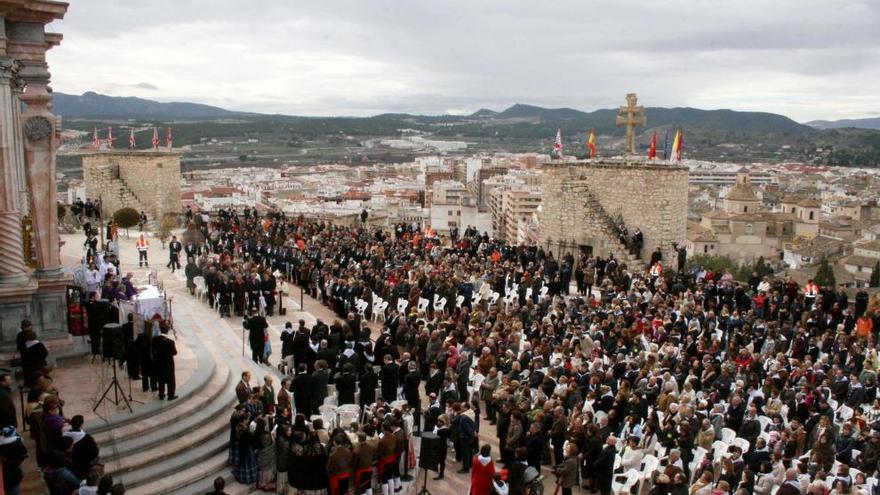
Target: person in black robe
390	376
239	289
143	345
302	388
256	326
346	383
368	383
164	351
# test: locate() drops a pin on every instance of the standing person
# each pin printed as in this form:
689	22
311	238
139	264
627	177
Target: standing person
390	376
603	466
287	336
143	220
483	472
442	432
12	453
411	383
144	347
467	436
566	472
33	357
164	351
142	245
174	248
85	450
191	271
256	326
8	415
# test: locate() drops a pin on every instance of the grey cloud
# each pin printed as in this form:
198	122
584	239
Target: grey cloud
431	56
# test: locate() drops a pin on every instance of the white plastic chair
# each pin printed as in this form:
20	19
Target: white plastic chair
764	420
845	413
631	478
719	448
401	305
493	298
727	435
742	443
459	300
423	305
439	304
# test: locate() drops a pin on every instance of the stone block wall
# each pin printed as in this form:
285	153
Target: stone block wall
144	180
580	198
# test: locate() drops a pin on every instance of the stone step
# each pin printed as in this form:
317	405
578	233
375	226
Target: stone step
206	484
159	413
203	422
176	473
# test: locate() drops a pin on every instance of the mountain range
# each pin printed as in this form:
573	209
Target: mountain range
520	120
869	123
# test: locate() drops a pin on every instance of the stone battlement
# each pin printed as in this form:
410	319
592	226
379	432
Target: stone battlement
584	200
143	180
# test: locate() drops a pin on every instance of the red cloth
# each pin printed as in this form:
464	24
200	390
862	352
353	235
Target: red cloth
481	477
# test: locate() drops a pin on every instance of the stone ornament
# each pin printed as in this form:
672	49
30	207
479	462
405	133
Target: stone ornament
11	69
38	128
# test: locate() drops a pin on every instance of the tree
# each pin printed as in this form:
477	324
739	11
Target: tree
875	276
825	275
165	227
762	268
126	218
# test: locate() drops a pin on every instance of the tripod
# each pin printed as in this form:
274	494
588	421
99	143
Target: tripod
130	399
118	393
424	490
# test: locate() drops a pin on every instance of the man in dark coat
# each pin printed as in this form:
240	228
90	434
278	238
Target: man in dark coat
144	348
302	388
603	466
346	383
368	383
164	351
256	326
390	376
411	383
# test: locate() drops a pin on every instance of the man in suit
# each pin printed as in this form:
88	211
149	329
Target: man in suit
164	351
411	383
302	387
346	383
174	248
243	389
603	466
390	376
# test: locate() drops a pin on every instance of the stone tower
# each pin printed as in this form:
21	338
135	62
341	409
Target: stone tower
584	201
144	180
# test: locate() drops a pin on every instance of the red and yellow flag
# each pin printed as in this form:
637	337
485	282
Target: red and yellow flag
676	146
591	143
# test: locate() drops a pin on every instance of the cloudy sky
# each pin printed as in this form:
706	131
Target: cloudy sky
808	59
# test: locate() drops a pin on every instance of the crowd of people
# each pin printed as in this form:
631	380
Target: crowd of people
694	381
67	456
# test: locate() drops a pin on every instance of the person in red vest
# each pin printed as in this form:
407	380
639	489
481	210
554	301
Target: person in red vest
143	245
482	472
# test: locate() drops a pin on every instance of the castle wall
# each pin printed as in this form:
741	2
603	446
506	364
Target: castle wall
148	181
580	200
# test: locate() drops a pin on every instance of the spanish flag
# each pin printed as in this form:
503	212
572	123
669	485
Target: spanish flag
591	143
677	143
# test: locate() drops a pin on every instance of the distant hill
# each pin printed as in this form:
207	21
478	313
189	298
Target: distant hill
92	105
519	120
869	123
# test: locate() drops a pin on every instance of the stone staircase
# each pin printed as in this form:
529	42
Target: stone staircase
178	446
115	193
602	225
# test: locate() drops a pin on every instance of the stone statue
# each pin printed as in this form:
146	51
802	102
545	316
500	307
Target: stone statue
630	116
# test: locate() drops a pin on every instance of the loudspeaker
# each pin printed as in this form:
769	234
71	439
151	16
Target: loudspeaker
431	451
114	342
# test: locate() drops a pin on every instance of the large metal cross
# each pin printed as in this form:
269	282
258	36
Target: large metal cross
630	116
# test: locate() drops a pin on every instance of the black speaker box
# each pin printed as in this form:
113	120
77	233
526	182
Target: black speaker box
430	451
114	342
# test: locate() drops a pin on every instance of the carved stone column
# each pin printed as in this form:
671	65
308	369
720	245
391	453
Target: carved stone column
12	267
28	43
